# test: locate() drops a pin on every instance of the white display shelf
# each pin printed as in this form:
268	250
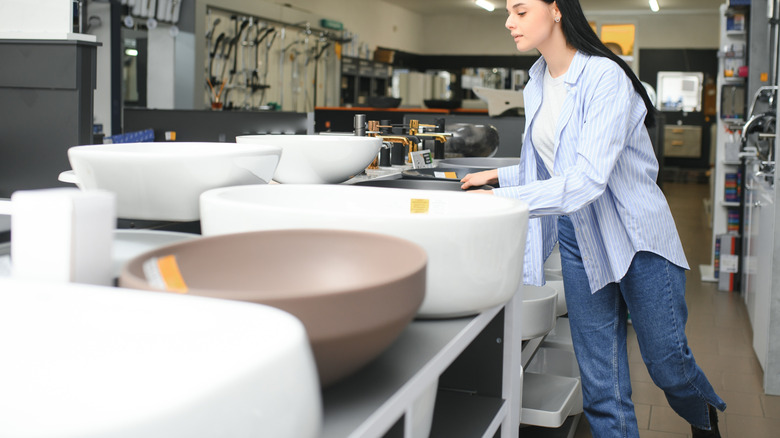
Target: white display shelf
374	401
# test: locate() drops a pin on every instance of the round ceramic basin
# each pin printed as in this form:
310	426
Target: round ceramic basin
553	263
539	311
560	305
354	292
318	159
417	184
100	362
475	243
162	181
482	163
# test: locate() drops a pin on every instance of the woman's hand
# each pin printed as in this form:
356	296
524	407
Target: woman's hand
480	179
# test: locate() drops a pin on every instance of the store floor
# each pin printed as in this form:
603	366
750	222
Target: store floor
720	336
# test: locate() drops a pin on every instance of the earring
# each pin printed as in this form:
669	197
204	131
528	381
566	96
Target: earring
557	19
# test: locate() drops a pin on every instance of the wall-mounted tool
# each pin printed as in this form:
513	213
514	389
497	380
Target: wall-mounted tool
210	34
264	85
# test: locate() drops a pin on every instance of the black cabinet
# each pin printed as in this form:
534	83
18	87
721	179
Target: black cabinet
47	89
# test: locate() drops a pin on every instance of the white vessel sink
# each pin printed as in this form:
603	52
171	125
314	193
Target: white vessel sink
560	335
499	101
553	263
162	181
553	274
474	242
91	361
560	305
318	159
539	311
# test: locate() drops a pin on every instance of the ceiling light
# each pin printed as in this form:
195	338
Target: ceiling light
486	5
654	5
131	52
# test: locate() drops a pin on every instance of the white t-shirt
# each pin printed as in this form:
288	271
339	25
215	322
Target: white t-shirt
554	93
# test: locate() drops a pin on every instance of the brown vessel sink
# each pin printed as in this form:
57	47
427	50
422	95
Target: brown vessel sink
354	291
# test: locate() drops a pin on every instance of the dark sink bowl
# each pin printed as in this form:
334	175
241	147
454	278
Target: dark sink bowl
383	102
479	163
442	104
419	184
439	173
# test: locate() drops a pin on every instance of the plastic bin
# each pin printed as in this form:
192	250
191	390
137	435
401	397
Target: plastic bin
558	362
548	399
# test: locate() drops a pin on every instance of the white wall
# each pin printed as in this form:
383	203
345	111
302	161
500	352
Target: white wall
160	81
378	24
485	34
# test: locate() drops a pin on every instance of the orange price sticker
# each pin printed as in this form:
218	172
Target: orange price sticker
164	273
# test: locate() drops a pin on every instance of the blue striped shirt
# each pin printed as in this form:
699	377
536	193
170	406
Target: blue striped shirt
605	171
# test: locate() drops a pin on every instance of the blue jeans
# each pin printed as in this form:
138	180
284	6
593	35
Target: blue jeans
653	291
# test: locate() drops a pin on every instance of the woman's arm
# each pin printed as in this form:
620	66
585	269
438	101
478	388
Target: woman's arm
610	115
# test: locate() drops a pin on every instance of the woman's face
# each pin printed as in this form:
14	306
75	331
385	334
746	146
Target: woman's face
531	22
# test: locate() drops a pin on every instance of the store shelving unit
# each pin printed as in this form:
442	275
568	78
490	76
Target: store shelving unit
362	79
731	118
379	400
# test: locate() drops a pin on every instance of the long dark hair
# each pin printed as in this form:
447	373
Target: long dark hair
580	35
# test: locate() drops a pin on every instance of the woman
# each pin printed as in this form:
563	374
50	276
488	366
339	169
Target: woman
588	173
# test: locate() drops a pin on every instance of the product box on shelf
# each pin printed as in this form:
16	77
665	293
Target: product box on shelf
727	261
733	181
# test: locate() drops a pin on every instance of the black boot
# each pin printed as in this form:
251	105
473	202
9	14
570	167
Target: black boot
713	432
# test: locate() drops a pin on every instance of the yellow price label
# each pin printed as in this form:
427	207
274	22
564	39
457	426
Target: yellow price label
419	206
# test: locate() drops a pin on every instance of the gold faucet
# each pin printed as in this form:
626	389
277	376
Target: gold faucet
373	131
439	136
